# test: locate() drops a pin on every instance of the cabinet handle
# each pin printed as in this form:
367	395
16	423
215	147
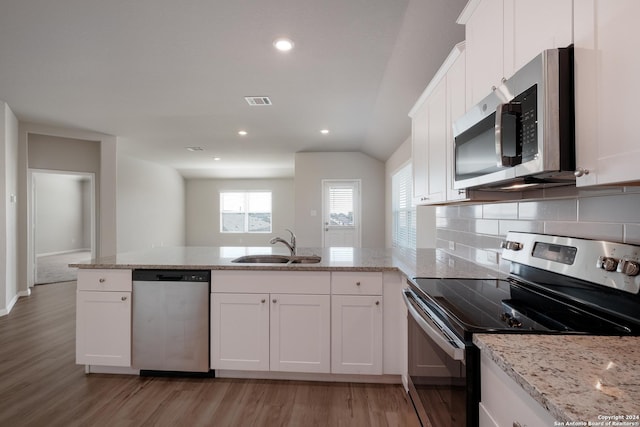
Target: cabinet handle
581	172
377	302
274	301
101	280
357	283
123	298
263	300
517	424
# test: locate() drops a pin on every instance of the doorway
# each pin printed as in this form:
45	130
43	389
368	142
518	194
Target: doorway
341	213
63	206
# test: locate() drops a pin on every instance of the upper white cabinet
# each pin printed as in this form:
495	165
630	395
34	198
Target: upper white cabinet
103	318
606	88
432	138
503	35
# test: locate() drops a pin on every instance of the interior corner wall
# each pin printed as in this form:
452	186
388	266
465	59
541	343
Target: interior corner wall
151	205
312	168
8	208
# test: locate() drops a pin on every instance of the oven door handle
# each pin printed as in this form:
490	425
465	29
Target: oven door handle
456	352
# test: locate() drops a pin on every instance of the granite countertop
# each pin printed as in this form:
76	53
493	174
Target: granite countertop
578	379
413	263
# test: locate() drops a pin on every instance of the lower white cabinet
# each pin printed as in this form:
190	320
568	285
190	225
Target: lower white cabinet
103	318
277	332
356	331
505	403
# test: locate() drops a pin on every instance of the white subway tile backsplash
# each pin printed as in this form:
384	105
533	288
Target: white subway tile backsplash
557	210
500	211
632	233
587	230
485	226
624	208
477	230
525	226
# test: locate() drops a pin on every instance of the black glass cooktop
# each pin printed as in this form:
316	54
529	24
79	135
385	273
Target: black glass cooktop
487	305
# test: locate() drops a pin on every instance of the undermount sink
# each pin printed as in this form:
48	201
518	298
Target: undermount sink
278	259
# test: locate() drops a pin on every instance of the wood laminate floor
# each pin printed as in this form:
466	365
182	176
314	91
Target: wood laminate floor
40	385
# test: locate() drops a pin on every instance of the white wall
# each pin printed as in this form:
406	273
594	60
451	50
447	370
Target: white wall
8	208
151	205
51	147
312	168
203	211
60	213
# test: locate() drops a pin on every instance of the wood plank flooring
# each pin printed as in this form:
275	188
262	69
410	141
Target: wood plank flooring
40	385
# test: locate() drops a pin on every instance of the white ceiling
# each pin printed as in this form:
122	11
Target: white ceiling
163	75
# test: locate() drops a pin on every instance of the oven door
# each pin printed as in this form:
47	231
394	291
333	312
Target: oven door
437	371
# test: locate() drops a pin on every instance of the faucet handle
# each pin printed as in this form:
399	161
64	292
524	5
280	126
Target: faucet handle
293	240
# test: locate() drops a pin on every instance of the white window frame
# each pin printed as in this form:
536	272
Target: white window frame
247	212
403	232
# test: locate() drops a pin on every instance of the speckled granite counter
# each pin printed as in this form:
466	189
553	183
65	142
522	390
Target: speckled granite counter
578	379
413	263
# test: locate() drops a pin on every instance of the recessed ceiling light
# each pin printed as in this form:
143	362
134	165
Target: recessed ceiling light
242	132
195	149
217	158
283	44
324	131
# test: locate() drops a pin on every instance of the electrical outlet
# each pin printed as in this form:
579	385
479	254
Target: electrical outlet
492	257
452	246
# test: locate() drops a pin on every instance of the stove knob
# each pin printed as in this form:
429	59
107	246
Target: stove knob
607	263
630	268
511	245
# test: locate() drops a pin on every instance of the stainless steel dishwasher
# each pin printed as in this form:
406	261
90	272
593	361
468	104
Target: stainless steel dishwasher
170	313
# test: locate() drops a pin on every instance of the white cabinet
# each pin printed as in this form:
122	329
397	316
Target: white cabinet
505	403
240	331
258	323
356	323
300	333
503	35
432	137
103	318
606	88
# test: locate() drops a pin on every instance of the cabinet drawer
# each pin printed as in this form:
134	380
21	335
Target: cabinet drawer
356	283
104	280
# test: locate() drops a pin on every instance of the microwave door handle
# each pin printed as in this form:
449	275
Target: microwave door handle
513	109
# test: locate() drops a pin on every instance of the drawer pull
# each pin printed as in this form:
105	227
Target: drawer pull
357	283
263	300
274	300
123	298
377	302
102	280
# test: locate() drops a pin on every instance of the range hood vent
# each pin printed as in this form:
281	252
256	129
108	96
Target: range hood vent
258	101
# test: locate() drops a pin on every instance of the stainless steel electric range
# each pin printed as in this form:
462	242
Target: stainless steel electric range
556	285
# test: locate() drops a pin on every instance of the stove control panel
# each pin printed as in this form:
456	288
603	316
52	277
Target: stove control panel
611	264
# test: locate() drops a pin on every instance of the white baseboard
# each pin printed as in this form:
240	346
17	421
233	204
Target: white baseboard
70	251
6	310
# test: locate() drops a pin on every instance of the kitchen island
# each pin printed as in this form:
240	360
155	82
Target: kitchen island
578	380
343	315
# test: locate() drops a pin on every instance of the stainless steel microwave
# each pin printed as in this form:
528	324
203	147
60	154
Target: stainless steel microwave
522	134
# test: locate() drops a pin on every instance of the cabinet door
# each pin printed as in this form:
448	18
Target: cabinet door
485	57
240	331
533	26
456	107
300	333
356	334
419	153
103	328
606	88
437	151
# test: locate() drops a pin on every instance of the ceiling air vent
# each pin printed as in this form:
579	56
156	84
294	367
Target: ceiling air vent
258	101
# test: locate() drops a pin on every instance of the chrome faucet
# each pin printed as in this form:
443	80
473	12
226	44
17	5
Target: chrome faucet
291	246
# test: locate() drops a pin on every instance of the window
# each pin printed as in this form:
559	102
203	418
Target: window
341	206
403	209
245	212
